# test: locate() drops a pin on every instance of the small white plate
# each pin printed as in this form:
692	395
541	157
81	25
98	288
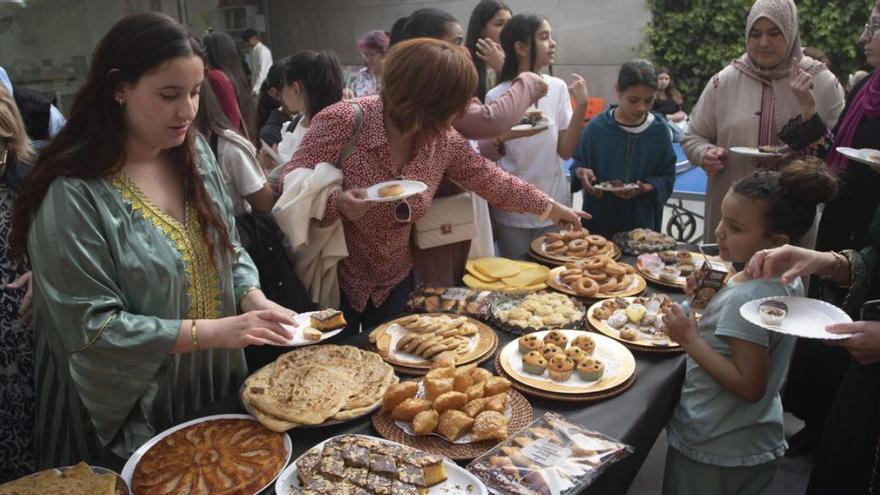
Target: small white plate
805	318
410	188
753	152
541	124
458	480
131	464
860	155
609	188
299	340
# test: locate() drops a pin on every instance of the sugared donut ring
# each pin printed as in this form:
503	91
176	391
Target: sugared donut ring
569	279
595	264
570	235
581	254
596	240
597	276
615	269
553	245
585	287
578	245
553	237
609	286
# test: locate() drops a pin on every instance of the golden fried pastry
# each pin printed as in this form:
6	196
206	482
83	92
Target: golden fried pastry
437	386
408	409
497	385
463	380
444	360
480	375
489	425
453	424
437	373
425	422
475	407
476	391
496	403
398	393
450	400
390	190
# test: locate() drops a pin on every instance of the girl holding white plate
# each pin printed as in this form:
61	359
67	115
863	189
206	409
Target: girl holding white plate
726	434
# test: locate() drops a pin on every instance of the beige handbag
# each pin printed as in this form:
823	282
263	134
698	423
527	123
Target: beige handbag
450	220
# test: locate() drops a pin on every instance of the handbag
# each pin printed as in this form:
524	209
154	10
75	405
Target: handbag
450	220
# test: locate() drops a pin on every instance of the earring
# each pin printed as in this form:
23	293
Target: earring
120	101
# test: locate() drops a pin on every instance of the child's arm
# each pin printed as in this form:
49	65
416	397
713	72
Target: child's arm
568	138
743	374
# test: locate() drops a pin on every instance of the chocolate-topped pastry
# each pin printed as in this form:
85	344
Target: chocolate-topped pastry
773	312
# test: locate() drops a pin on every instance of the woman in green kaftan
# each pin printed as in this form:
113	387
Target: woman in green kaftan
138	275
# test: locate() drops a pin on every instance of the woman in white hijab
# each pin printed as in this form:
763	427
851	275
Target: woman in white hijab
750	100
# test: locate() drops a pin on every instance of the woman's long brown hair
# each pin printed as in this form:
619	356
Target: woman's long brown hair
92	143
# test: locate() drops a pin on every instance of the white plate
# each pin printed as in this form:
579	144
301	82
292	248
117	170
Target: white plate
859	155
609	188
805	318
410	188
457	481
298	340
753	152
131	464
541	124
397	332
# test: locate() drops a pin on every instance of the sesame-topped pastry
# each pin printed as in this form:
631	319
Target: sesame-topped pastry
585	343
576	354
560	368
551	350
591	369
529	343
534	363
556	337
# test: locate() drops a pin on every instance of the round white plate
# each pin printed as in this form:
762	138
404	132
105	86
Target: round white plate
625	187
131	464
753	152
410	188
860	155
805	318
458	480
541	124
298	340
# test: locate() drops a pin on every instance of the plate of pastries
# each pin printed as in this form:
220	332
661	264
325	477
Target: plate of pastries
638	241
538	311
502	274
317	386
567	361
360	464
417	341
314	326
635	321
671	268
598	277
394	190
226	453
80	479
571	245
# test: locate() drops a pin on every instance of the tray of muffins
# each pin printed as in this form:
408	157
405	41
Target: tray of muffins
573	365
557	248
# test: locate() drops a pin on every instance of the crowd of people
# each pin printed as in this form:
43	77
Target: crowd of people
138	236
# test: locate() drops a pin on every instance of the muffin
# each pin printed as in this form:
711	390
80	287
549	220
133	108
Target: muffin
591	369
772	312
668	257
576	354
585	343
556	337
529	343
534	363
550	350
560	368
629	333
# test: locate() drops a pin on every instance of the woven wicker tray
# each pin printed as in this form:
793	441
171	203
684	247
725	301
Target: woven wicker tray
521	416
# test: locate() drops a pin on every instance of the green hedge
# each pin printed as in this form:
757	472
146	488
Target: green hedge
697	38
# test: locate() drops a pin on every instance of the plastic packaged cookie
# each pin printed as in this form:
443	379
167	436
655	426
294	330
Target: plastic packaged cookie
455	300
551	456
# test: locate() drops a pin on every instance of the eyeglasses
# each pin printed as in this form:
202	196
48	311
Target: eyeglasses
403	212
871	29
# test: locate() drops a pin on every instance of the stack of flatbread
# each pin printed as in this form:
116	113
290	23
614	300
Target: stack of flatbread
79	480
315	384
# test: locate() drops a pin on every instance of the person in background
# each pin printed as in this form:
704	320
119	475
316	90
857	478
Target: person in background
854	79
373	46
406	132
529	47
726	434
245	180
758	83
271	112
229	82
16	332
818	54
261	59
41	117
483	40
136	322
631	144
670	103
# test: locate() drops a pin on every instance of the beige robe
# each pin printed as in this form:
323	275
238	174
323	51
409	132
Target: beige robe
728	115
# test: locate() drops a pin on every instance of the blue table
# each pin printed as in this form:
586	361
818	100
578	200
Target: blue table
690	181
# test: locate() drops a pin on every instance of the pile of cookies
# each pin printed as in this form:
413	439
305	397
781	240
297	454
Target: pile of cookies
597	275
315	384
538	311
576	244
554	355
503	274
453	402
427	336
639	315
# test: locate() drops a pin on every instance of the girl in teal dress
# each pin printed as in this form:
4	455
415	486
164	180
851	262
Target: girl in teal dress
138	275
631	144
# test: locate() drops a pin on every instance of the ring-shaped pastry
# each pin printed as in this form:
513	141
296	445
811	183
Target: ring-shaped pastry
578	245
553	245
625	282
596	264
553	237
570	279
615	269
596	240
597	276
570	235
586	287
609	286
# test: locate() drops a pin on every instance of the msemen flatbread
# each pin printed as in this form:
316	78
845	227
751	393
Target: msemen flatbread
258	383
307	394
79	479
376	378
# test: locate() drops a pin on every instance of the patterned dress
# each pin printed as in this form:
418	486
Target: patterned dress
16	360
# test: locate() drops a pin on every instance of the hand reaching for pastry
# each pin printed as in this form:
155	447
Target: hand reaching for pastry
567	218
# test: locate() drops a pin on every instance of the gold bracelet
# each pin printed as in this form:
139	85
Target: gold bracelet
195	335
